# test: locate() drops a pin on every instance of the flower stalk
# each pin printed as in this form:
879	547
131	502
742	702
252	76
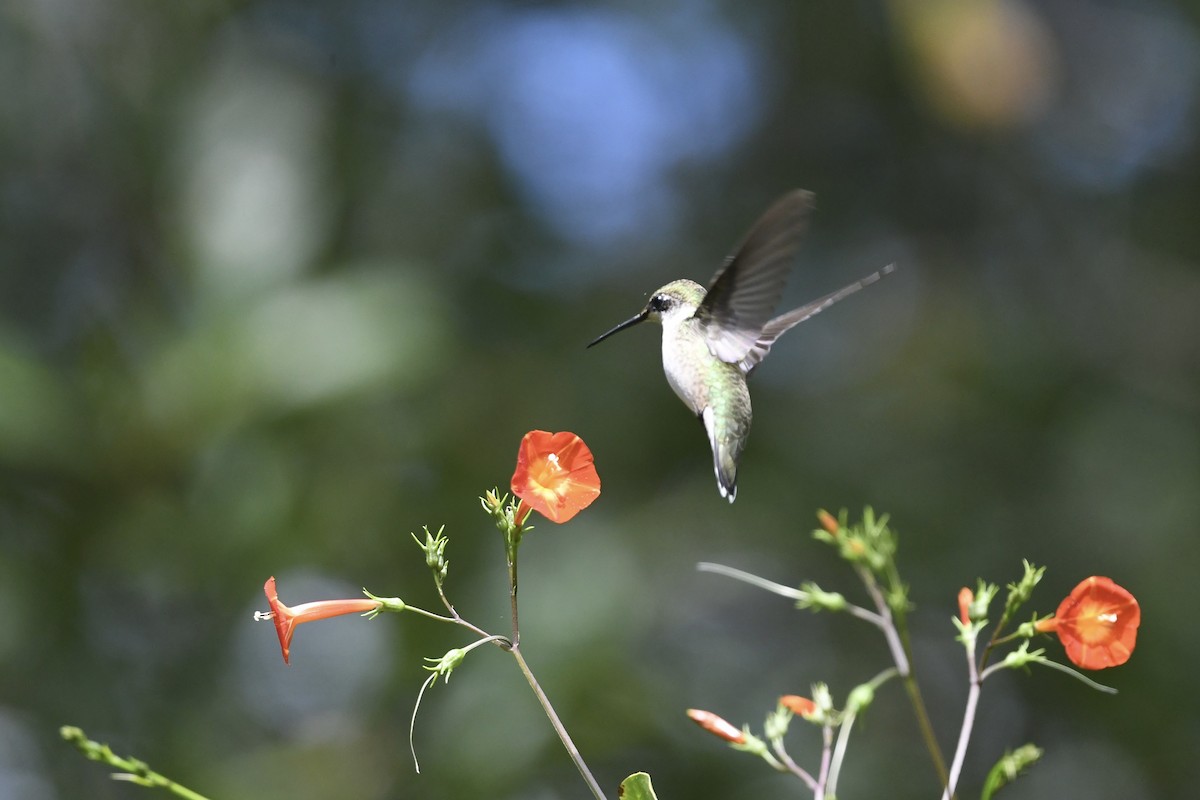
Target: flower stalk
131	769
556	477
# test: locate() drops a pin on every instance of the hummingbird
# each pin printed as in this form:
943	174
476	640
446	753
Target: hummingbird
713	338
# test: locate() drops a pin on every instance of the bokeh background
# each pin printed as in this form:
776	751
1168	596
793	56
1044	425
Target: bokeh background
281	282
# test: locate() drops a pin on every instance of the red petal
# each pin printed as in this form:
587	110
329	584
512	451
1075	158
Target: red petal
555	474
283	618
1097	624
798	705
717	726
965	598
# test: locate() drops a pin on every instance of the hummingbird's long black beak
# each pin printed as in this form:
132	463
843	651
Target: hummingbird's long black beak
629	323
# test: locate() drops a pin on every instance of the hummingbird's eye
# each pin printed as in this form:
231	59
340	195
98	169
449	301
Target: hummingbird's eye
659	303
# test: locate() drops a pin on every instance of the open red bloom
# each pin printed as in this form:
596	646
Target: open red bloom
1097	624
718	726
555	475
286	619
798	705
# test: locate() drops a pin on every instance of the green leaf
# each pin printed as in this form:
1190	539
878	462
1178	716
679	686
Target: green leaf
1008	768
637	787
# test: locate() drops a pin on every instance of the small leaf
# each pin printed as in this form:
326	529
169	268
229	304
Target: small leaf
637	787
1009	767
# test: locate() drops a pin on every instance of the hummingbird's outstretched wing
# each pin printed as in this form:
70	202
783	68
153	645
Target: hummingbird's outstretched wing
785	322
745	291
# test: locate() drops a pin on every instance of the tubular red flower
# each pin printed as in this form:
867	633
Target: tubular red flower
286	619
801	706
965	598
555	475
1097	624
717	725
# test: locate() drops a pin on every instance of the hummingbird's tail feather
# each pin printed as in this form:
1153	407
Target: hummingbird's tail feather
785	322
724	457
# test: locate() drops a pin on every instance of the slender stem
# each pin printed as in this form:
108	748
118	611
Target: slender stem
511	553
412	723
826	757
511	546
931	744
457	620
154	779
964	735
1100	687
896	633
781	590
556	723
429	614
454	612
751	578
994	640
442	668
888	622
839	753
441	590
997	641
131	769
786	759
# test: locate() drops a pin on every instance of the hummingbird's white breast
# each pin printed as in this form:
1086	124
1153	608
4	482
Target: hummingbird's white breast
685	359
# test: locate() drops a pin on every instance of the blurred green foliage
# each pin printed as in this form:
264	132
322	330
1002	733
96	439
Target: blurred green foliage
283	281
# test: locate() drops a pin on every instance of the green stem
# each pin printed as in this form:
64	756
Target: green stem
556	723
132	770
923	722
995	639
511	544
900	624
510	551
1079	676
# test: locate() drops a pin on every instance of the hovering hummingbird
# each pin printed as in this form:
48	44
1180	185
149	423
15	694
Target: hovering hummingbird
712	339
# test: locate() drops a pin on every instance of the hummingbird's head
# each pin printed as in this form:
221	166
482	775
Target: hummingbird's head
669	306
674	302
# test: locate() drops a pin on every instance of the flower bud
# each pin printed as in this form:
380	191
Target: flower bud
717	726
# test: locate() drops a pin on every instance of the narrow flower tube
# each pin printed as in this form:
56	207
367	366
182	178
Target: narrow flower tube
717	726
1097	624
286	619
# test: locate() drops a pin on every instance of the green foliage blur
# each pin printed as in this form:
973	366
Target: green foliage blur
281	282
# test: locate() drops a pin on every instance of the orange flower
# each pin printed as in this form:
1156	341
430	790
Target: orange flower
798	705
828	522
1097	624
965	598
286	619
717	725
555	475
